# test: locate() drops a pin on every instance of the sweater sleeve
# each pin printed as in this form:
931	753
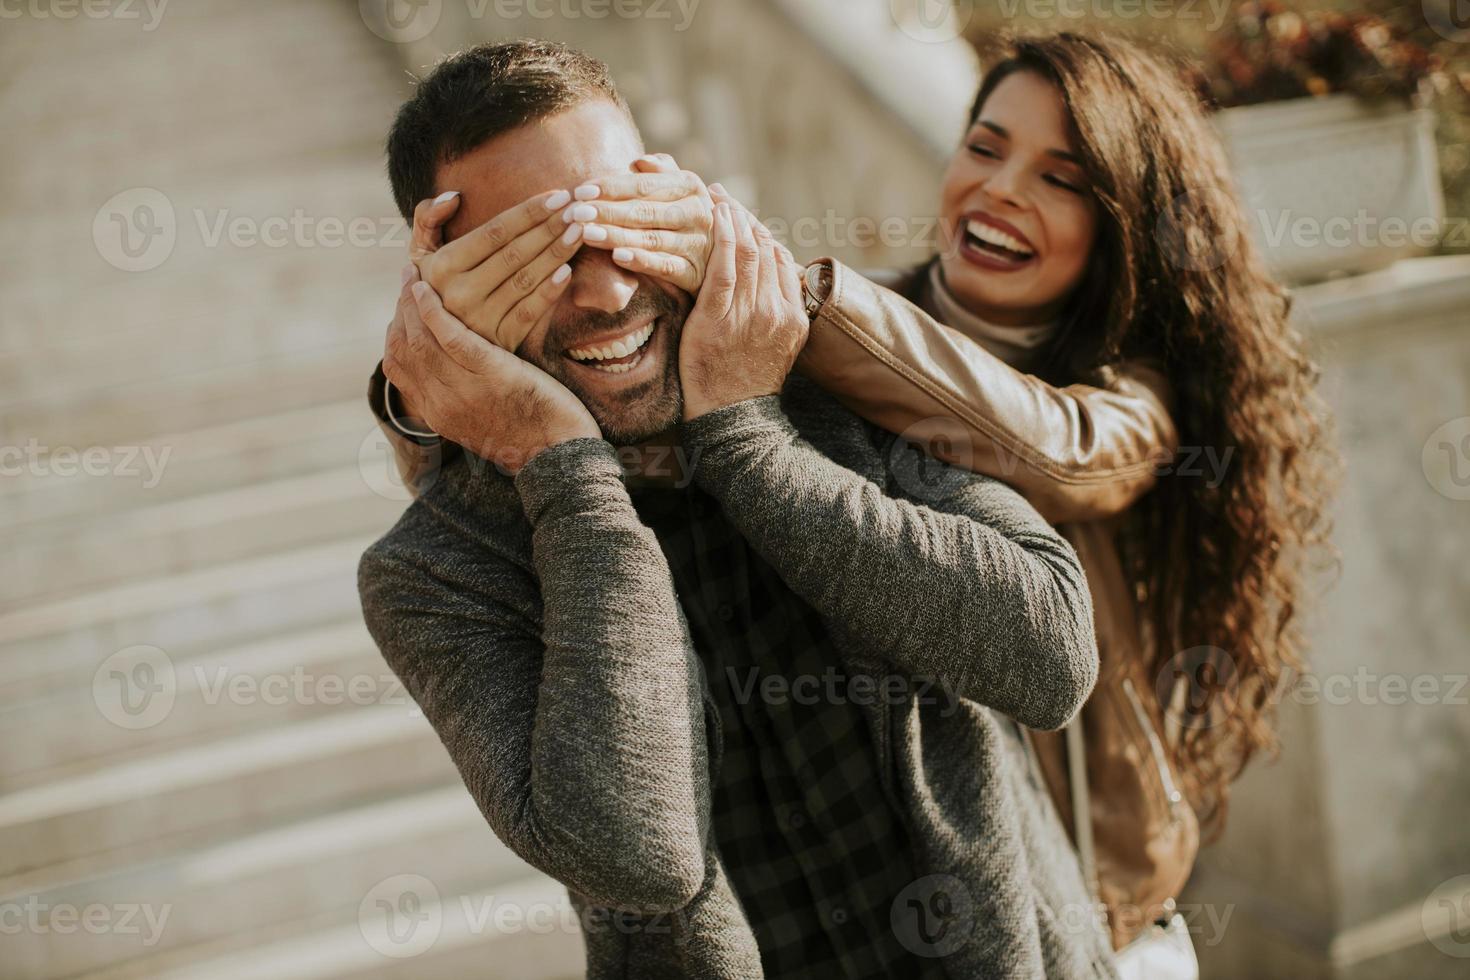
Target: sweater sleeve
570	699
971	587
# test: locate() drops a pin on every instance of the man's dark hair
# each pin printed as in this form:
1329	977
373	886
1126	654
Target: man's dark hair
475	95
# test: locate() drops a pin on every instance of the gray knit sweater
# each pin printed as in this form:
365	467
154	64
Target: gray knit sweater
535	622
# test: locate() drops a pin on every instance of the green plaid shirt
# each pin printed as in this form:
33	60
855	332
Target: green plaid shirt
812	848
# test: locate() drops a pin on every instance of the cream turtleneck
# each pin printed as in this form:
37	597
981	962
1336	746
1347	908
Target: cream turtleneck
1013	345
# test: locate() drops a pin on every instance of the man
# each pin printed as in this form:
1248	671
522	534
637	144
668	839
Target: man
760	718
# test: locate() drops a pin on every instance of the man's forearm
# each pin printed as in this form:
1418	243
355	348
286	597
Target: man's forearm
619	747
976	590
558	673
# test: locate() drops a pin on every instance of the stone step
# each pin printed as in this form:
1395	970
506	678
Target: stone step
292	237
283	49
197	461
52	561
466	943
62	644
123	415
268	683
226	787
140	351
267	879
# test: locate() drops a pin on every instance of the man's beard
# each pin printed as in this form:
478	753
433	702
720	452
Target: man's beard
640	412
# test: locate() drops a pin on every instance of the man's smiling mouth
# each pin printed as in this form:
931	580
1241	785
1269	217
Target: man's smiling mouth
617	355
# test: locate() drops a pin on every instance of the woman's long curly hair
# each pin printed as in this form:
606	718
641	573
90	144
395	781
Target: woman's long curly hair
1220	570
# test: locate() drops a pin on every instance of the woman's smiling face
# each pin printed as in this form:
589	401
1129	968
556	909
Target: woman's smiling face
1019	220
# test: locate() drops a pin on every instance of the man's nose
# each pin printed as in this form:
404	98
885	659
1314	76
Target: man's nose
600	284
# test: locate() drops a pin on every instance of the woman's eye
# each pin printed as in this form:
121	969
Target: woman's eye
1063	183
984	151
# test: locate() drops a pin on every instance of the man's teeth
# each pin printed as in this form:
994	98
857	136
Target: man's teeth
994	236
621	347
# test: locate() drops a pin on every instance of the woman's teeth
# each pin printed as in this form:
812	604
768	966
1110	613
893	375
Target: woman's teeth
989	235
617	349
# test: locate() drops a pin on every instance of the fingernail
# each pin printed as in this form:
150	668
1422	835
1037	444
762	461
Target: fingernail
558	200
419	289
579	212
446	196
572	234
407	273
718	189
594	233
561	275
622	255
589	192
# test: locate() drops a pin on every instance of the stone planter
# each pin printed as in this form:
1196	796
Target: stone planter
1336	185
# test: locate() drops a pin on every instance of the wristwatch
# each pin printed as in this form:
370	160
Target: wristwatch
816	286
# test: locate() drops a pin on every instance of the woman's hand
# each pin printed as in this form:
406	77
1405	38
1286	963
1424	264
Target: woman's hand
749	323
656	221
501	278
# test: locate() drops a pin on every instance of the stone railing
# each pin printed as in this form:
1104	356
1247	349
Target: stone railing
1349	857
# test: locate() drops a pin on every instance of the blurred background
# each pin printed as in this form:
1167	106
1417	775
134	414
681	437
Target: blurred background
206	770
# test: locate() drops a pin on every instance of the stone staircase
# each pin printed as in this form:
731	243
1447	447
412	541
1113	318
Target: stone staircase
206	768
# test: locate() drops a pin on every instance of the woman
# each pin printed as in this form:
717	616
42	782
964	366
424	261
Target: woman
1116	350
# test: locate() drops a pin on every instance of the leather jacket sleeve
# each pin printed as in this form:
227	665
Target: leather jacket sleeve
1076	453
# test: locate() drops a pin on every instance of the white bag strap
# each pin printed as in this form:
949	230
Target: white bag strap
1081	803
1081	800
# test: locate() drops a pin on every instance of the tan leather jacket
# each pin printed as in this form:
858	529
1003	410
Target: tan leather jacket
1082	455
